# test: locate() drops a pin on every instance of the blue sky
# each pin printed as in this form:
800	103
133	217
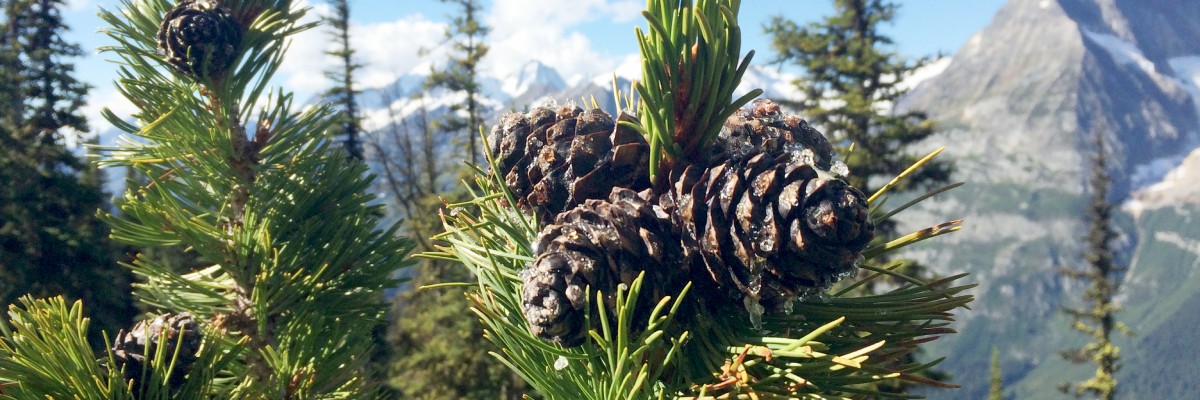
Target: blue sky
582	39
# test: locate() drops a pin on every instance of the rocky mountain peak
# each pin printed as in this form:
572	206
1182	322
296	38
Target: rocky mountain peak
1018	107
1023	96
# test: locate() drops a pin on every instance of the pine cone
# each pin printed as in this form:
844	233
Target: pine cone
599	245
199	38
134	350
768	227
554	159
756	222
764	128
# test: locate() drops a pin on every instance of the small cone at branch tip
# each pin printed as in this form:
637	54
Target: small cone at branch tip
553	159
199	38
134	350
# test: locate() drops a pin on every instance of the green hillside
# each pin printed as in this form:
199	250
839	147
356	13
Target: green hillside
1161	296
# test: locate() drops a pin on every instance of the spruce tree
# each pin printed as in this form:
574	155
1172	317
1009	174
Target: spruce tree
461	73
343	93
849	80
1098	320
51	242
996	387
287	302
439	351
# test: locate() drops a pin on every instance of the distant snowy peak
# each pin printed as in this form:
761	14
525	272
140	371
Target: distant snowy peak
775	84
533	76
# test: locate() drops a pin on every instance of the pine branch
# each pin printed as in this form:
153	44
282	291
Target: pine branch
691	64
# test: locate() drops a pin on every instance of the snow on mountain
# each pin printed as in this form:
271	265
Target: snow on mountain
1177	187
533	76
1121	51
533	85
1187	74
927	72
776	84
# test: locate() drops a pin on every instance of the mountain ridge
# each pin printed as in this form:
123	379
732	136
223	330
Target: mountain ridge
1019	105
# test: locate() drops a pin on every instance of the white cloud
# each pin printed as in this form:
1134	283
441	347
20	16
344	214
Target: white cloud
390	49
386	50
76	5
525	30
521	31
106	97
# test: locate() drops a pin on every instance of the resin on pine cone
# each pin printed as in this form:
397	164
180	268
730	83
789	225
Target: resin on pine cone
199	38
553	159
597	246
134	350
765	128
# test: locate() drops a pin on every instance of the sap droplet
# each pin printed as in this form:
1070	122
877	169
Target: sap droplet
455	211
787	305
848	274
840	169
575	295
754	283
560	363
766	242
525	274
755	310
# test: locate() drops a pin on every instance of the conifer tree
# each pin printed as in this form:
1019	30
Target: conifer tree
996	387
287	302
1098	320
850	78
343	93
439	351
51	242
461	73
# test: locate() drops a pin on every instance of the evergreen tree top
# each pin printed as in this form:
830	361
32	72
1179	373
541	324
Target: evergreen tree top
294	258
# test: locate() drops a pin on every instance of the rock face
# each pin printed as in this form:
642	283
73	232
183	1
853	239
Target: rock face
1026	93
1019	106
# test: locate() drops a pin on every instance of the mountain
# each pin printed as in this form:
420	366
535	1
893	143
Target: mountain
1019	105
533	85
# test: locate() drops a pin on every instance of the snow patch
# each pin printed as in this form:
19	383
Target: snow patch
925	73
1121	51
776	84
1044	4
1179	240
1154	174
1187	74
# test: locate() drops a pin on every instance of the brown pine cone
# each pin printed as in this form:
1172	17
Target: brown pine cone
199	38
599	245
764	128
769	227
134	350
554	159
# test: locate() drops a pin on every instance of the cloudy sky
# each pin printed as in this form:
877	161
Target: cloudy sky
582	39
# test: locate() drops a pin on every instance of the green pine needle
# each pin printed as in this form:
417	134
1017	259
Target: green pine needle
691	64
